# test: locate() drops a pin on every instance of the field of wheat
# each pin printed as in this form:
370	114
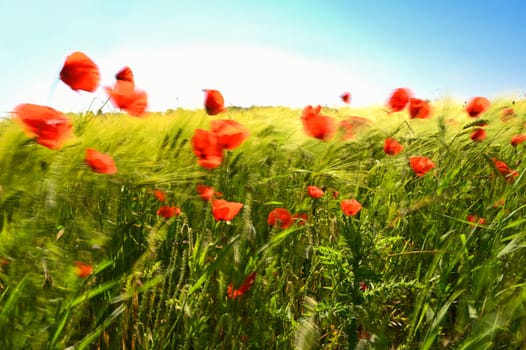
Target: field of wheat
389	227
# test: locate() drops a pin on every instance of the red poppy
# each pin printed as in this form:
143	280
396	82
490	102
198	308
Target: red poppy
363	286
347	127
478	135
477	105
207	148
320	127
206	193
210	162
160	195
335	194
350	125
399	99
350	207
300	218
476	219
505	170
346	97
392	146
168	212
243	288
83	270
419	108
317	125
315	192
125	74
51	127
225	211
517	139
214	102
99	162
421	165
507	114
230	134
80	72
310	111
499	203
279	217
126	97
359	121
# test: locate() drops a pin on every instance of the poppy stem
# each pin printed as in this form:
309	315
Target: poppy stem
99	111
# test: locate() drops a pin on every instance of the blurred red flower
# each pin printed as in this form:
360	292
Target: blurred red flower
210	162
476	219
347	127
125	74
160	195
419	108
230	133
168	212
352	124
206	193
499	203
478	135
279	217
317	125
476	106
363	286
207	148
505	170
421	165
83	270
399	99
517	139
99	162
123	95
346	97
79	72
392	146
507	114
299	218
315	192
225	211
243	288
214	102
51	127
350	207
310	111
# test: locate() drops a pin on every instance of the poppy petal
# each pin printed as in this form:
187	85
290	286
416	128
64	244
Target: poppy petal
350	207
79	72
346	97
230	133
421	165
214	102
125	74
99	162
477	106
399	99
51	127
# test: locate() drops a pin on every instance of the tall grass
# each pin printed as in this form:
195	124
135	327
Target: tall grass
408	272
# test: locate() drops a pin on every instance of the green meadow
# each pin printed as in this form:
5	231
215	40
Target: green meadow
409	271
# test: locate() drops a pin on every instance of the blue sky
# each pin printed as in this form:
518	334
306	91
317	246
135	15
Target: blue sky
288	52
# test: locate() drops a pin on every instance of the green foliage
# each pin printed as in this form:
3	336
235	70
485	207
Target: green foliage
410	271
